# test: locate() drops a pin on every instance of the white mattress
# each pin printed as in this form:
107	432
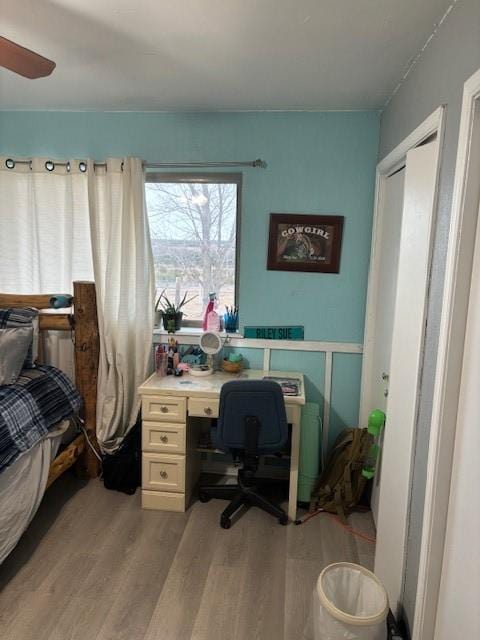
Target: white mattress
22	486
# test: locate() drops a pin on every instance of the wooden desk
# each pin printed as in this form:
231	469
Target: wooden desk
170	457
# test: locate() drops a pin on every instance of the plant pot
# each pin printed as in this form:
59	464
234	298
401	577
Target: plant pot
168	318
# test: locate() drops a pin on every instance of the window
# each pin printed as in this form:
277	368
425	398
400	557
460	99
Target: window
194	224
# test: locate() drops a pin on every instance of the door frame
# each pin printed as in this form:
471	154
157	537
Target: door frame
391	163
456	293
434	124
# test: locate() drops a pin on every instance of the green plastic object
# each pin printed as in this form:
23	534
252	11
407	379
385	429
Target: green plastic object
310	437
376	422
368	470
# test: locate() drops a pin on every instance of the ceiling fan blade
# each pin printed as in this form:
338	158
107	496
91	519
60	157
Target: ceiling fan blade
23	61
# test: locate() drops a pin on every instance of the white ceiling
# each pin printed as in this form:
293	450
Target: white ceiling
215	54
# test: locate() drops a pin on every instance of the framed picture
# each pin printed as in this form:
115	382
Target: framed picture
299	242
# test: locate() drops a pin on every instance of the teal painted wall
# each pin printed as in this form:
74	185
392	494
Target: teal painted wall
316	163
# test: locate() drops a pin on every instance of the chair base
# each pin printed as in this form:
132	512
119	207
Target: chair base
239	495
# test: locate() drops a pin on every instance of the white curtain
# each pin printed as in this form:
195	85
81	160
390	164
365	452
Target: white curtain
124	278
60	224
44	237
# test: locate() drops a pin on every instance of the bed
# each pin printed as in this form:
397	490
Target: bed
45	437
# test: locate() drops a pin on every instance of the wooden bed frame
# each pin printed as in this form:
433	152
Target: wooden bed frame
82	320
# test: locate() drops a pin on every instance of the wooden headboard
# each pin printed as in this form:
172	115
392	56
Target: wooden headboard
82	319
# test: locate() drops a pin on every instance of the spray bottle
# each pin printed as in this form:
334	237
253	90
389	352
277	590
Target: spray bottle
211	319
210	306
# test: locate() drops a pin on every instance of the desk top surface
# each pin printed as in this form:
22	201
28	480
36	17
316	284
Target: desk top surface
209	386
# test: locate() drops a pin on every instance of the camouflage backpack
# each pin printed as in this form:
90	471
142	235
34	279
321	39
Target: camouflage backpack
340	486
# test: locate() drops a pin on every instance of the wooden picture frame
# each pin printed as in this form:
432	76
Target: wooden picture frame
301	242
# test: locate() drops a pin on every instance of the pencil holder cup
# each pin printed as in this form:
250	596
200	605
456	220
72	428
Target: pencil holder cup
230	322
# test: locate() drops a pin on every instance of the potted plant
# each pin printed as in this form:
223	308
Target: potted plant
172	314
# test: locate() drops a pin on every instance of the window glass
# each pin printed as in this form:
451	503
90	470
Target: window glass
193	228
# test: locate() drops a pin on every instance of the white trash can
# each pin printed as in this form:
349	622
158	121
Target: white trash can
349	603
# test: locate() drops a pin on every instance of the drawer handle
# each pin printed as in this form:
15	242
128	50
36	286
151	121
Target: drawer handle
164	409
164	438
208	411
163	474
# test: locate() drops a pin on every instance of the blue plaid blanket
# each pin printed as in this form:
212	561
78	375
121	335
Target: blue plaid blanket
39	399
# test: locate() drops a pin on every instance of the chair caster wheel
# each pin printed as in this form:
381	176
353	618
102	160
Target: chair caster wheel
225	522
203	497
283	519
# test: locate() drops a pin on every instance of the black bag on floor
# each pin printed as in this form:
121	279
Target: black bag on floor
122	469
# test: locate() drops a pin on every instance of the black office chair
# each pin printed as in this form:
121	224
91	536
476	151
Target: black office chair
252	421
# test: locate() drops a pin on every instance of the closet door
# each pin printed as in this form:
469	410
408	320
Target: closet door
405	367
376	387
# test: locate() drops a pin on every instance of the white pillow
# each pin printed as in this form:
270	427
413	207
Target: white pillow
14	345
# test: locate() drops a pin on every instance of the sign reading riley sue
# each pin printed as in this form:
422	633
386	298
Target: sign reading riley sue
274	333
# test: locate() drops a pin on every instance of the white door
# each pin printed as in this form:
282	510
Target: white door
405	366
387	286
458	613
383	311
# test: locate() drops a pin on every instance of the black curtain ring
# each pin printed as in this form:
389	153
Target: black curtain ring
68	166
9	163
49	165
82	166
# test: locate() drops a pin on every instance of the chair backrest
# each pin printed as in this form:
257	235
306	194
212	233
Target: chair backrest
262	399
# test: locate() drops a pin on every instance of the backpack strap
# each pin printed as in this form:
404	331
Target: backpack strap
347	483
339	505
355	451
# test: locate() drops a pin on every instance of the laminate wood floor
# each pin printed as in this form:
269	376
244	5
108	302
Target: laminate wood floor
94	566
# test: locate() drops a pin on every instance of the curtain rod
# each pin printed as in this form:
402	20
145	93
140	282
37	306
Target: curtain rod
258	163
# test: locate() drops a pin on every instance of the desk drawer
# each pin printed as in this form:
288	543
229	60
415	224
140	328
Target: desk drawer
163	500
208	408
164	408
163	437
203	407
163	472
